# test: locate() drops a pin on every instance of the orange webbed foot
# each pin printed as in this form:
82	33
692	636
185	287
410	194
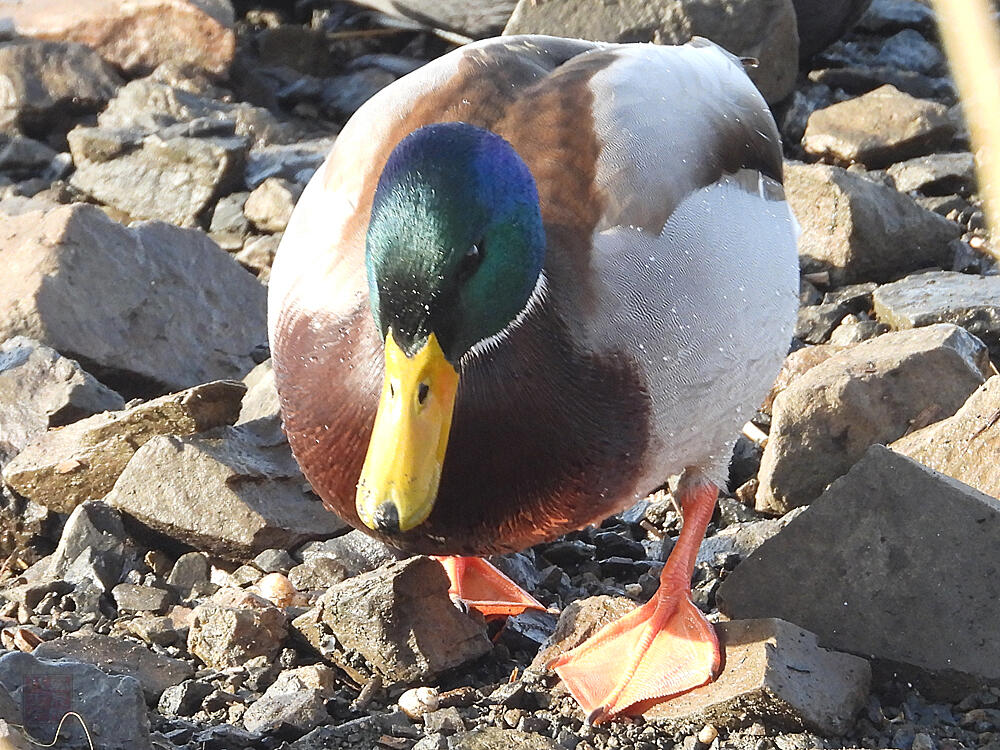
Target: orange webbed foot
485	589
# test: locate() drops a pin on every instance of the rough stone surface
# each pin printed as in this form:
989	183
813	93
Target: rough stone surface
399	618
858	230
235	626
821	22
878	128
112	706
122	656
765	29
270	205
296	162
355	550
474	18
130	597
40	389
890	537
871	393
967	300
222	493
146	308
91	547
47	83
135	36
166	176
965	446
936	174
82	461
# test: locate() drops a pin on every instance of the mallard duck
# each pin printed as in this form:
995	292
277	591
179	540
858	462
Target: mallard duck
535	278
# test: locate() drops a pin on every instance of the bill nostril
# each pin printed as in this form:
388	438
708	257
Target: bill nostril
386	518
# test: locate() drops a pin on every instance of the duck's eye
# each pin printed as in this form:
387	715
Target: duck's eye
470	261
422	392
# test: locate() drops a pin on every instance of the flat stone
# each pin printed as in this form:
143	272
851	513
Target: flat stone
873	392
47	84
858	230
965	446
221	493
296	162
878	128
156	631
399	619
130	597
762	29
124	656
318	573
175	310
300	711
191	568
82	461
138	35
355	550
890	537
39	389
111	705
235	626
936	174
967	300
174	178
270	204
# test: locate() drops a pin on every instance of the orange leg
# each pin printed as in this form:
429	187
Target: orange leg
664	647
485	589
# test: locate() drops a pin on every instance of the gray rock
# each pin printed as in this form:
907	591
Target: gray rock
40	389
343	95
858	230
399	619
91	547
355	550
936	174
48	83
21	157
742	538
257	255
300	711
871	393
260	412
821	22
317	573
494	738
122	656
295	162
969	301
892	15
270	204
156	631
149	105
853	330
173	309
890	537
815	323
222	493
762	29
860	79
191	568
965	446
62	468
184	699
274	561
174	178
139	35
111	706
130	597
878	128
235	626
909	50
474	18
446	721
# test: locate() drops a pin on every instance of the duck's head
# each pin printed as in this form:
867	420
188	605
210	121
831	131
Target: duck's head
454	252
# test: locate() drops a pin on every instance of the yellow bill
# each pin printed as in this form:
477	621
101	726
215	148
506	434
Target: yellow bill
399	480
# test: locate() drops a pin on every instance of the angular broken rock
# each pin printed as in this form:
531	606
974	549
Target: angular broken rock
138	35
155	672
171	177
893	561
296	698
234	626
762	29
173	309
46	84
879	128
965	446
967	300
91	547
399	619
222	493
270	204
859	230
936	174
111	706
63	468
39	389
873	392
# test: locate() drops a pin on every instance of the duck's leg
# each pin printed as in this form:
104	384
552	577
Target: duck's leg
485	589
661	649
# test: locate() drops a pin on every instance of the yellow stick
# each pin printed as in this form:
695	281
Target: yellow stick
973	48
